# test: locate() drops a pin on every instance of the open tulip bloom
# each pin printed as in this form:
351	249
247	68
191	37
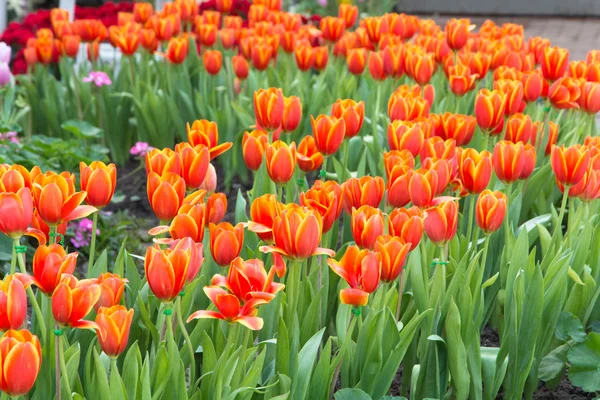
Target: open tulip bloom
329	200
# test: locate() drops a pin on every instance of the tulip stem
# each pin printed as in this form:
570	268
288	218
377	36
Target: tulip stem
507	217
39	317
293	292
336	374
346	156
57	351
93	240
188	342
470	222
486	245
13	260
63	366
400	291
561	214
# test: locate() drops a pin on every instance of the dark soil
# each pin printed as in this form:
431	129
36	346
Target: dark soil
564	391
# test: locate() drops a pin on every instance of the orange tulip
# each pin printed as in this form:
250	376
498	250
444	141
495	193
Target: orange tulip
457	32
420	66
13	300
328	132
167	270
194	163
161	161
165	194
269	107
332	28
226	242
398	178
436	147
297	233
459	127
441	222
189	222
349	14
478	62
490	210
555	61
113	325
396	158
20	361
203	132
513	91
30	55
263	211
261	55
489	109
13	178
475	170
207	34
393	251
405	135
292	113
240	67
281	161
461	80
254	145
407	224
309	158
367	225
422	187
212	60
56	200
128	42
142	12
508	160
577	69
401	107
356	60
230	308
177	49
443	169
529	158
71	45
148	39
72	300
376	68
17	212
321	54
352	113
361	269
588	188
569	164
589	99
519	128
593	72
111	290
326	199
228	38
305	57
98	180
552	136
216	207
362	191
564	93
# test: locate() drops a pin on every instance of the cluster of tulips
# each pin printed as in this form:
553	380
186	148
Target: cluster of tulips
320	220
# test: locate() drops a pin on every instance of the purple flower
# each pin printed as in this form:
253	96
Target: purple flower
9	137
4	74
322	3
140	149
5	52
99	78
82	233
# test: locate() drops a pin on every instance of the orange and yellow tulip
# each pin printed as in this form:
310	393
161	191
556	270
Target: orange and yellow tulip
376	66
361	269
98	180
148	39
569	163
177	49
308	156
529	159
533	85
240	67
263	211
461	80
216	207
71	45
520	128
20	361
441	222
321	54
261	55
423	187
332	28
142	12
401	107
459	127
329	133
397	187
17	215
212	60
189	222
489	109
228	38
475	170
248	279
555	61
269	107
420	66
349	13
206	133
72	300
393	251
457	32
226	242
112	327
161	161
14	177
167	270
304	56
356	60
56	200
112	287
194	163
490	210
513	92
292	113
281	161
564	93
297	233
407	223
13	301
589	99
128	42
358	192
254	145
207	34
165	194
436	147
405	135
353	114
367	225
326	199
508	160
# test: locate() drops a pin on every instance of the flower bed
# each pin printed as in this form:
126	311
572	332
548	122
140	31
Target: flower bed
356	208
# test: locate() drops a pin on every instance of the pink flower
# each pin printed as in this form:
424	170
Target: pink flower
98	77
9	137
140	148
5	51
4	74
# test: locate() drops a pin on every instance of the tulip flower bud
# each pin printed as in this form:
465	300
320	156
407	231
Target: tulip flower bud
20	361
309	158
281	161
490	210
113	328
407	224
367	225
226	242
362	270
569	164
508	160
441	222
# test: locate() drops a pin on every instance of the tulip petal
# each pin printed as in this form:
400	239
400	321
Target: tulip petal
37	234
21	366
205	314
80	212
253	323
84	324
